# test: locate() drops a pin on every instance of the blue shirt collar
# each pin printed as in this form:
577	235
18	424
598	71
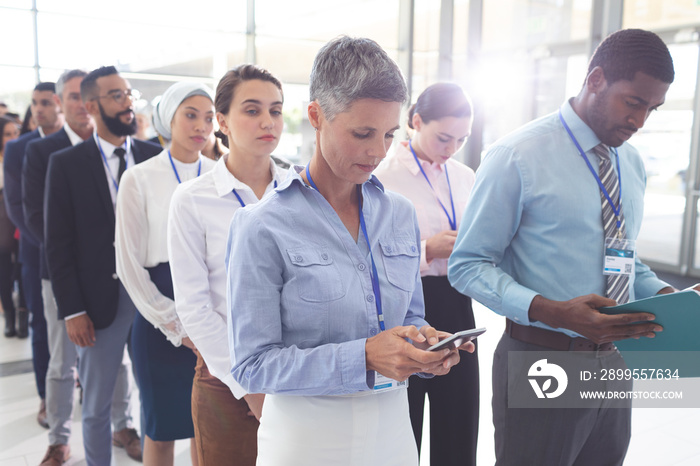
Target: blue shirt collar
583	133
294	176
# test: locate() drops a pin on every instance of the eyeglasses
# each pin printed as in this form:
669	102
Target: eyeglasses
121	96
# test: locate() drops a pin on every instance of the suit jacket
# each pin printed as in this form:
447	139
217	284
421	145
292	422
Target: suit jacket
12	166
36	162
79	227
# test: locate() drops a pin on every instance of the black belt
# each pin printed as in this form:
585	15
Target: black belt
553	340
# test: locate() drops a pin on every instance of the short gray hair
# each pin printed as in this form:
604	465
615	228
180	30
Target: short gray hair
347	69
65	77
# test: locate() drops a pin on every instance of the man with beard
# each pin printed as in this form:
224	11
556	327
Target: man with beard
547	199
60	379
80	200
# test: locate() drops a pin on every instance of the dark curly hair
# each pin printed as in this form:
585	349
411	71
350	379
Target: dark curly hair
623	53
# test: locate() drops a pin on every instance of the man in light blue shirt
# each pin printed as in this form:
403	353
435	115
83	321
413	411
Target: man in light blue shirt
531	247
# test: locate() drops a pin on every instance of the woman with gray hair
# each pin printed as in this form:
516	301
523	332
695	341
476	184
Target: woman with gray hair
163	357
325	302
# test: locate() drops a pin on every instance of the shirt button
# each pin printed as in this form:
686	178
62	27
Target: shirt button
370	298
373	332
324	256
115	276
361	266
298	258
388	249
413	248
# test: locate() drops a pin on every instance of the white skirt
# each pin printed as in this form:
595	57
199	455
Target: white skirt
357	430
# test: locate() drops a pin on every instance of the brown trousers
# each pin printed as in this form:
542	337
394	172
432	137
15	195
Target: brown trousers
224	433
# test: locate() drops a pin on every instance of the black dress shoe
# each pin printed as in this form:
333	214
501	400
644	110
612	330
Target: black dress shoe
10	323
23	323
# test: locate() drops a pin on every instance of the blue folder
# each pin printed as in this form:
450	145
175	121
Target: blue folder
677	346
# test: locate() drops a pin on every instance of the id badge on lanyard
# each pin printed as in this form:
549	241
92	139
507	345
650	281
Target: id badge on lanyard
619	252
384	384
619	256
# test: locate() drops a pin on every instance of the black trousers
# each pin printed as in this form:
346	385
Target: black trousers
454	398
7	279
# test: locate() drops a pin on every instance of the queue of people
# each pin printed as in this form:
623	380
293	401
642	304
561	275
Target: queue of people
278	314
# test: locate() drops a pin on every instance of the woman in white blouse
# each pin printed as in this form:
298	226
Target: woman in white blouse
249	111
163	357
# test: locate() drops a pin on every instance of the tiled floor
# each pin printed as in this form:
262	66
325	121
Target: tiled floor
660	437
22	441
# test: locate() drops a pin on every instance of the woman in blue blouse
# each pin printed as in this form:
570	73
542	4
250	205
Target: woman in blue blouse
324	284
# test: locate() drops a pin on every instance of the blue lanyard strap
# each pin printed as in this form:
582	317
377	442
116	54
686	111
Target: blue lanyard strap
199	170
373	274
453	219
240	201
616	209
311	180
104	159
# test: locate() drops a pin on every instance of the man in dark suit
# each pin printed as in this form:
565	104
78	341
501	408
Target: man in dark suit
60	379
49	119
80	200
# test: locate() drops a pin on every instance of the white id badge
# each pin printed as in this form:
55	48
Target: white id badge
384	384
619	256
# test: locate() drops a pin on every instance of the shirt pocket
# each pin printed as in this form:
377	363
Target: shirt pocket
401	258
316	274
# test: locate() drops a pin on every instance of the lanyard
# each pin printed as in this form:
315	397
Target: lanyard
373	274
104	159
616	209
453	219
199	170
240	201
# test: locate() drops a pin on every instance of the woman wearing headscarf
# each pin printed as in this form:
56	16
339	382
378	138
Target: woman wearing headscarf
325	304
163	355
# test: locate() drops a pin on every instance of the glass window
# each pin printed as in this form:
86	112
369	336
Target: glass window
322	21
289	60
664	144
161	50
558	78
655	14
426	43
139	17
426	26
16	4
517	79
18	34
460	41
425	71
287	41
297	140
531	23
16	89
